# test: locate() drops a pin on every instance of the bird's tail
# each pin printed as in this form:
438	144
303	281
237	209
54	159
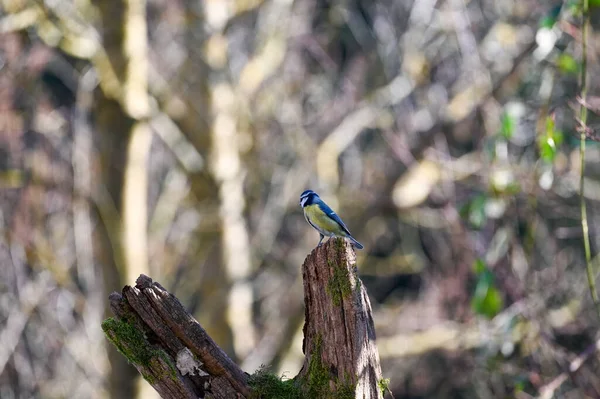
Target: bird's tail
354	242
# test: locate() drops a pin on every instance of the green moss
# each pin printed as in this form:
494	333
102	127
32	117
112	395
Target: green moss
383	385
128	340
339	287
315	385
172	370
269	386
132	343
318	379
148	377
345	390
340	245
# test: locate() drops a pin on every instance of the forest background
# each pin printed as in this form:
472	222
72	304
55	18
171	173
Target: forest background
173	138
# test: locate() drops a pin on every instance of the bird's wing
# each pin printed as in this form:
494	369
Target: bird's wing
329	212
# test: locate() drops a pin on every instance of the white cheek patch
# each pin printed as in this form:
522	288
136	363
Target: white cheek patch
303	201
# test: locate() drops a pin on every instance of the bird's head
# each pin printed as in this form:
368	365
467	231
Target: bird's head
307	198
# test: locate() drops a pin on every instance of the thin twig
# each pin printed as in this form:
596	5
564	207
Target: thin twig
583	112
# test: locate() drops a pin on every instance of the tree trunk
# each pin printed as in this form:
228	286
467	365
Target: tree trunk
339	335
124	137
178	358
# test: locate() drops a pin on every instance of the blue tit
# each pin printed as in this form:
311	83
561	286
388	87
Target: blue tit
323	218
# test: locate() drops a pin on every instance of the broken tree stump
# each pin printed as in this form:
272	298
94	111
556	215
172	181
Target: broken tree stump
169	347
176	356
339	335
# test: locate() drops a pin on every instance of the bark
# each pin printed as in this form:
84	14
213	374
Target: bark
168	347
178	358
339	334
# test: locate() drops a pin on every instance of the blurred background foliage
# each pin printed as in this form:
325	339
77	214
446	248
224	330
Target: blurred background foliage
173	138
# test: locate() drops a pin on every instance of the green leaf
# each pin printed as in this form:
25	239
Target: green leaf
548	149
551	17
487	300
489	303
474	212
507	126
479	266
567	64
547	22
558	137
548	143
520	383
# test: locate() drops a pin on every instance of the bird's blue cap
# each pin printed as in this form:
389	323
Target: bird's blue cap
306	193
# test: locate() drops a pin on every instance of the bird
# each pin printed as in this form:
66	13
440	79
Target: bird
320	216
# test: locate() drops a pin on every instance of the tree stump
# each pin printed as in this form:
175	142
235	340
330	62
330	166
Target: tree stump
176	356
168	346
339	335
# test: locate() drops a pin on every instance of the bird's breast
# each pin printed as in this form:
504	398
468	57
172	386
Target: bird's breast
320	220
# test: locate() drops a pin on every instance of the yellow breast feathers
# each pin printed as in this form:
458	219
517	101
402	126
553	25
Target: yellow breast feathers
326	225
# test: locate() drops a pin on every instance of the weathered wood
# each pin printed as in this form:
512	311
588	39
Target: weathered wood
168	346
339	335
176	356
